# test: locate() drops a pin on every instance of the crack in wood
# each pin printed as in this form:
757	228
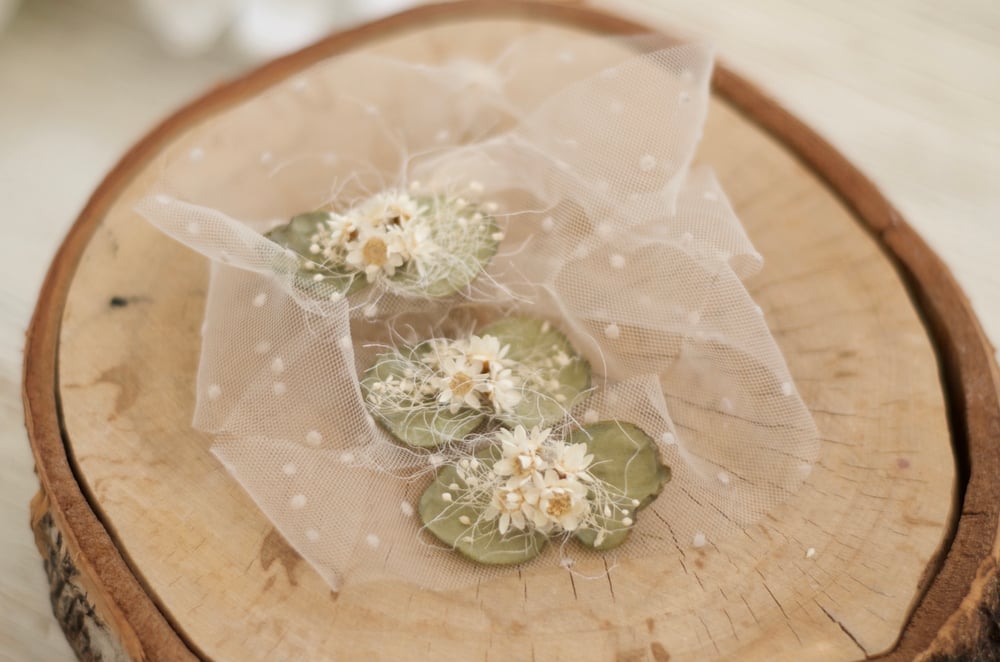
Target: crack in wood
846	631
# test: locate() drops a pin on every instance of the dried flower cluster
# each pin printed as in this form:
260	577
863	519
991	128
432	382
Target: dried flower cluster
416	243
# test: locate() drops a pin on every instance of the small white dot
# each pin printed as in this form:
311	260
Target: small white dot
314	438
687	74
805	470
193	228
609	72
312	535
605	230
687	238
344	342
684	97
162	199
263	347
612	332
371	311
811	552
616	106
668	438
214	391
722	477
266	157
786	388
298	501
277	365
647	162
446	497
373	540
196	154
548	224
627	521
329	158
300	84
726	404
567	57
260	300
758	310
580	252
699	539
710	195
347	457
465	519
289	469
617	261
436	459
694	317
279	388
590	416
407	508
442	135
372	110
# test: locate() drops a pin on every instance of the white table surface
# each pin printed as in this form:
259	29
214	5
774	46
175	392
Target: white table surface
908	89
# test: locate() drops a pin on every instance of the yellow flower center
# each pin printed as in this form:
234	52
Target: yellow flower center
460	384
559	505
375	252
510	500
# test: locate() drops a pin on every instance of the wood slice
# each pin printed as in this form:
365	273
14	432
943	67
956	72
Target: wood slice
890	547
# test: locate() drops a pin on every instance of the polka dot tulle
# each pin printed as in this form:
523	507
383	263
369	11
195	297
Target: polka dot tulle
603	229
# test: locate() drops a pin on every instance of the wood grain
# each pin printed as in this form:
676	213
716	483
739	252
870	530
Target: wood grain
881	507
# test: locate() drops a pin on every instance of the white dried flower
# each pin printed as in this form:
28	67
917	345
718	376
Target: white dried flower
522	452
561	500
571	460
376	251
459	384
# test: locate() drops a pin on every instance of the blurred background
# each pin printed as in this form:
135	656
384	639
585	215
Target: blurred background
907	89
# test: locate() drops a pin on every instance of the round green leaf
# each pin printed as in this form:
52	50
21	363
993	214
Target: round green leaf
421	422
626	459
549	358
480	541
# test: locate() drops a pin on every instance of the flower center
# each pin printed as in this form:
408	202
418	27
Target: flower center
460	384
375	252
559	505
510	500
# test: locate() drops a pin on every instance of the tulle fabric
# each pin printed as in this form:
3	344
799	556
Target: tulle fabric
608	233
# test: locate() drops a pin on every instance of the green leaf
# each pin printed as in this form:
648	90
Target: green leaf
487	545
296	235
548	357
420	422
626	459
